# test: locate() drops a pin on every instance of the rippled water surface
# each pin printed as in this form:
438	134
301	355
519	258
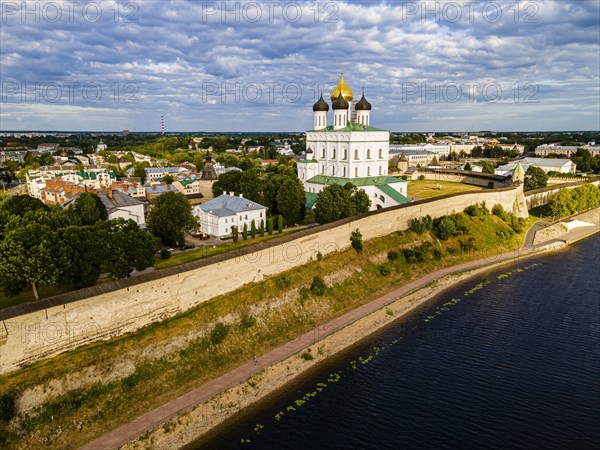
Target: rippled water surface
509	359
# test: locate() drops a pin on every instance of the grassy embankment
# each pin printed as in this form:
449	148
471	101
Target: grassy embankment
423	189
258	318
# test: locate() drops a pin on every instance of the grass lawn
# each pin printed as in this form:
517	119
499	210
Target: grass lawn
422	189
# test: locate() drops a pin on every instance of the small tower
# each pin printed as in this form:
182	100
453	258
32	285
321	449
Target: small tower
320	109
363	111
402	163
340	112
518	175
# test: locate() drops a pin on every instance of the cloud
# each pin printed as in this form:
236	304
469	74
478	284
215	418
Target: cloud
245	66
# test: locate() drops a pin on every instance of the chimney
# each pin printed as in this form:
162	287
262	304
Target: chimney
241	195
109	193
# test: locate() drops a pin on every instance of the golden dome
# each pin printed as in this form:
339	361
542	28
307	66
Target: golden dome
344	89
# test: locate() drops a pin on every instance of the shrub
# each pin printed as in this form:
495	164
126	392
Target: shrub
247	322
384	270
235	233
356	238
318	286
245	232
477	210
498	211
445	227
253	229
283	282
219	333
421	225
7	407
306	356
319	256
421	177
165	254
393	255
270	226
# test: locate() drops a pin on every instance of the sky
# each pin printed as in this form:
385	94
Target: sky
259	66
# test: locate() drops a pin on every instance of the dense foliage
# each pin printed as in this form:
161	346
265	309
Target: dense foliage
337	202
170	215
535	178
571	201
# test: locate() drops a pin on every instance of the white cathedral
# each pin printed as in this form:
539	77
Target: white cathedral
349	151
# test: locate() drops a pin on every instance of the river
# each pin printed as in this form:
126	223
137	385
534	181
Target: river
509	359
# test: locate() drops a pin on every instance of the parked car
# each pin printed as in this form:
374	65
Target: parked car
186	247
169	249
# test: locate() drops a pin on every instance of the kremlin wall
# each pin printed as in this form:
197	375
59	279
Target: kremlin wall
34	331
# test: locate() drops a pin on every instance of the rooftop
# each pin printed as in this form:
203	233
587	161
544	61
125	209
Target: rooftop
366	181
228	205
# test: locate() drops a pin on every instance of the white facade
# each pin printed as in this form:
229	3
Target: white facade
218	216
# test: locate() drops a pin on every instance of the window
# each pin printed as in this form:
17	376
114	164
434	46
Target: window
356	154
380	153
323	170
333	153
380	171
323	152
333	170
356	172
344	172
368	153
368	171
345	153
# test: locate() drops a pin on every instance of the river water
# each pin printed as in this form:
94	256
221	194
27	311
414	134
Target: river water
510	359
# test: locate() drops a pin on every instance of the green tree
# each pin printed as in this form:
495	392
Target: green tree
468	167
227	182
253	229
169	216
291	201
235	234
535	178
337	202
280	224
487	167
89	208
359	201
270	226
83	262
29	257
139	170
126	248
168	179
250	185
262	228
245	232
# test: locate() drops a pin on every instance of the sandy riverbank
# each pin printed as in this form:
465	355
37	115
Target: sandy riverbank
190	426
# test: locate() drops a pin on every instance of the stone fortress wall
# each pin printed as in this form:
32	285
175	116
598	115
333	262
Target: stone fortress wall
34	331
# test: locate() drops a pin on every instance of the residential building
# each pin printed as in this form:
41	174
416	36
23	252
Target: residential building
564	150
218	216
546	164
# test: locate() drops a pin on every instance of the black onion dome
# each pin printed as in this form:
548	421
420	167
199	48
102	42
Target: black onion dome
363	104
340	103
321	105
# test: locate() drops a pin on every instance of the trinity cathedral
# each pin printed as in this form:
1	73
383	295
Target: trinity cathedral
349	151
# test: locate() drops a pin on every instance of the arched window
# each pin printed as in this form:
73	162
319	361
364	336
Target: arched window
345	153
344	172
380	153
323	152
368	171
368	153
333	153
356	172
380	171
356	154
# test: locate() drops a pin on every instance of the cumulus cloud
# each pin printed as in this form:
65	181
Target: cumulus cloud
245	66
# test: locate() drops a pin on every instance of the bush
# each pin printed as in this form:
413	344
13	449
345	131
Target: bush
393	255
7	407
356	238
247	322
421	177
384	270
283	282
165	254
219	333
445	227
318	286
421	225
477	210
306	356
498	211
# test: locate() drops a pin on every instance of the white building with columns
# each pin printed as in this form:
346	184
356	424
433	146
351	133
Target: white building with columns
349	151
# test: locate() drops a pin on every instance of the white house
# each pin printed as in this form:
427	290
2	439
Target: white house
349	151
218	216
122	205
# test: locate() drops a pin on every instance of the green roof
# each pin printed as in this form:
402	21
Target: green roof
394	194
519	169
311	198
366	181
352	126
308	161
187	182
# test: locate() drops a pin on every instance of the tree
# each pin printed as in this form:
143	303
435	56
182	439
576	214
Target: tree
168	179
170	215
356	239
270	226
337	202
89	208
468	167
83	263
253	229
487	167
127	247
262	228
139	170
235	234
250	185
535	178
245	232
29	255
291	201
280	224
227	182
